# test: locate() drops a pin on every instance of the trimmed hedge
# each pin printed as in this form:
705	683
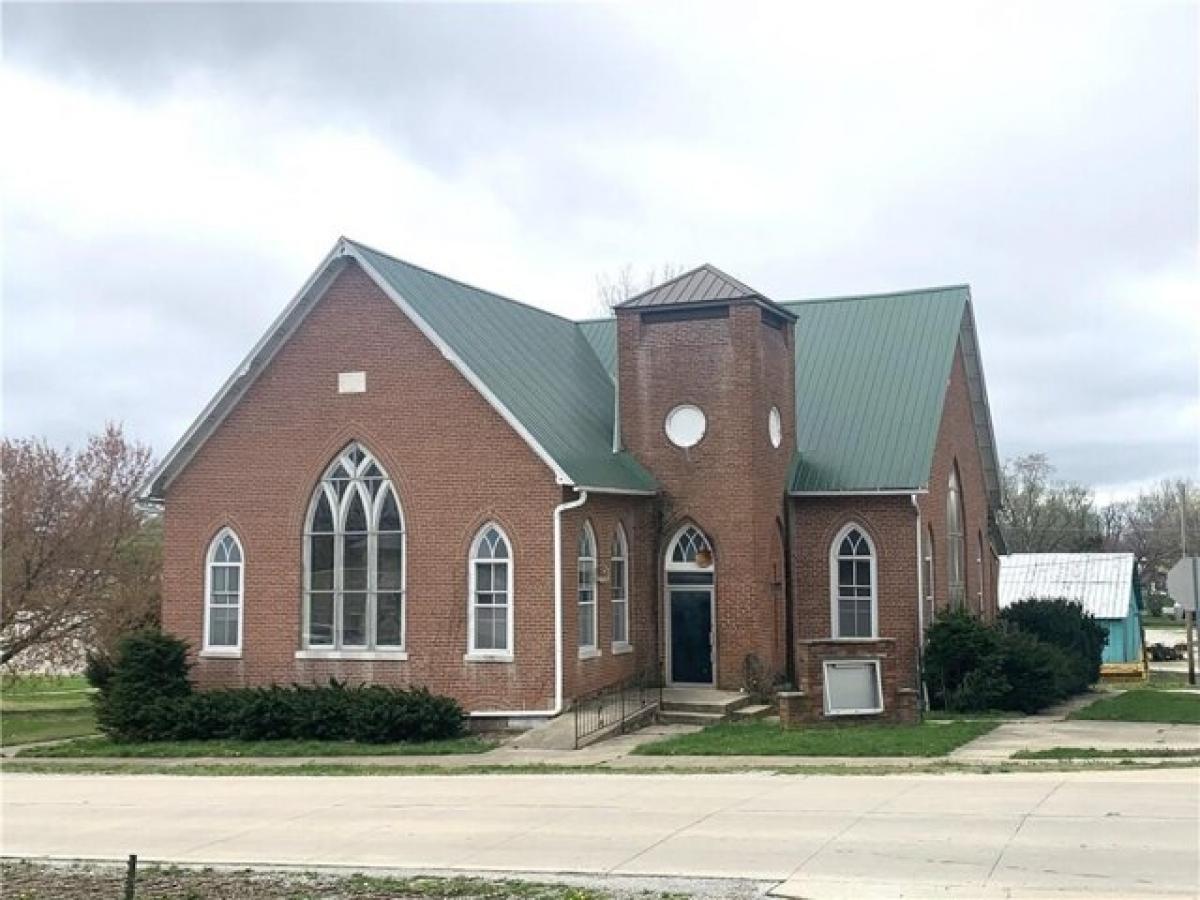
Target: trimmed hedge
147	697
1041	652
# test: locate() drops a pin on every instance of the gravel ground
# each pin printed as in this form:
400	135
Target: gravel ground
21	880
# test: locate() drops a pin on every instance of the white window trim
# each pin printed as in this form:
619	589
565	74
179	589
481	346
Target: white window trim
373	509
956	544
625	646
473	652
592	650
224	651
834	618
873	661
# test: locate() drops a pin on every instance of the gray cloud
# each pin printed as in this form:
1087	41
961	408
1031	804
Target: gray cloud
1044	153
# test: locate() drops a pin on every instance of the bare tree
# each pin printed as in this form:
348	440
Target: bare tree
617	287
1042	515
81	561
1148	526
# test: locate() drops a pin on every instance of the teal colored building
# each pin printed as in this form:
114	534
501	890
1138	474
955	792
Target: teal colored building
1105	584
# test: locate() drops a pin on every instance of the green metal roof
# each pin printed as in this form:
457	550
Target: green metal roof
871	376
540	366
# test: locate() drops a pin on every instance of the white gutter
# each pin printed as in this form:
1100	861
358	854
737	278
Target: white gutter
558	623
920	602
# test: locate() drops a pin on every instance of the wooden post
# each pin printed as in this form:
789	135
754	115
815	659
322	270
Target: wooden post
131	876
1190	616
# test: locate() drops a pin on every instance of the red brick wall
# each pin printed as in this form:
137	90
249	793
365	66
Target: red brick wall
455	464
638	517
731	484
956	447
890	521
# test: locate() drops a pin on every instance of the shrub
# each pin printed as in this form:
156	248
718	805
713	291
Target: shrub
1067	626
147	697
971	666
150	667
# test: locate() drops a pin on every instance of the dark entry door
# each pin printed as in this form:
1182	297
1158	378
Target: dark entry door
691	636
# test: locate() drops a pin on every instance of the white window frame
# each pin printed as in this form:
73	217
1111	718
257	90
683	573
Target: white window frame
226	650
929	562
835	627
621	543
979	564
592	650
488	654
373	508
866	661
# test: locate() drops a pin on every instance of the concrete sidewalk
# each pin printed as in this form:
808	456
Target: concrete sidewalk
1110	834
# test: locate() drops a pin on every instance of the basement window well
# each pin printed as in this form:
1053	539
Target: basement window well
853	687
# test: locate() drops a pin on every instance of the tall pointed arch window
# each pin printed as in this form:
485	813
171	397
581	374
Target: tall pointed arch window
853	576
619	574
354	555
491	619
224	592
956	545
927	573
586	568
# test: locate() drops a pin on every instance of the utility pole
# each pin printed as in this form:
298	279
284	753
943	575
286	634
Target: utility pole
1190	614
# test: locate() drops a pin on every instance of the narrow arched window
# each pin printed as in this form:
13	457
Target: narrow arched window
852	571
491	620
586	568
224	591
979	564
927	572
354	556
619	574
956	545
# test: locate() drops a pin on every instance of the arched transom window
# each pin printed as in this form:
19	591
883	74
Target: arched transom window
619	573
354	578
586	567
491	621
852	572
690	550
225	590
956	544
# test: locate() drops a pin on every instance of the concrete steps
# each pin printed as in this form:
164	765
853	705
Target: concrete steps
757	711
704	706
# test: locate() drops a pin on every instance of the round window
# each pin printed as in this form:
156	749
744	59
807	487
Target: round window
775	427
685	425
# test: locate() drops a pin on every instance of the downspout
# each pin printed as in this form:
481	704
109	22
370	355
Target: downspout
920	608
558	622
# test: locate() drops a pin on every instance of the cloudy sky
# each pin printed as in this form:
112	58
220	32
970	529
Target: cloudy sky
172	173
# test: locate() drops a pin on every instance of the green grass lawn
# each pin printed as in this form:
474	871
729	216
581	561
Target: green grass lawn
1145	705
1095	753
43	709
1162	622
100	746
769	739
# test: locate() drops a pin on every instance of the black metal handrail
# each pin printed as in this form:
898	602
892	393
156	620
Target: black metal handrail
616	704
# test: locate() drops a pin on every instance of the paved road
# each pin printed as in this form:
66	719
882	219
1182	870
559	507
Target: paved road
1108	834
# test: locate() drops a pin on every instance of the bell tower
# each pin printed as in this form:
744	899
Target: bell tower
706	380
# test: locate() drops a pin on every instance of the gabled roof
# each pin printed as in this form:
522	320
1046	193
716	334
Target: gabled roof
536	369
871	376
1103	583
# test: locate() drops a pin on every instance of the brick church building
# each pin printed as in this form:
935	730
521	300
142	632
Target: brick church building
410	480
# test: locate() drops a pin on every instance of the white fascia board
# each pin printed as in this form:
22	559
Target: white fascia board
560	476
882	492
232	390
981	411
631	492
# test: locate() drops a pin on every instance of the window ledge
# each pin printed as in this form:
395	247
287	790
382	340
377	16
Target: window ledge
589	652
364	655
220	653
488	657
621	647
849	640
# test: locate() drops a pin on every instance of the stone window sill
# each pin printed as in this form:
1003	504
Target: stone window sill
361	655
589	652
488	657
217	653
621	647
